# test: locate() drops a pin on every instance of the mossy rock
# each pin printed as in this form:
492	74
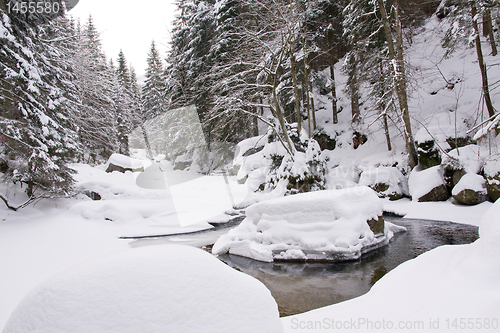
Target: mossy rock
470	197
438	193
4	165
493	187
380	188
460	142
452	176
182	165
428	154
358	139
325	141
296	185
377	225
253	150
112	167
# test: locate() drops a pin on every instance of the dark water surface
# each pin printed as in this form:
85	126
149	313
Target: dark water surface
300	286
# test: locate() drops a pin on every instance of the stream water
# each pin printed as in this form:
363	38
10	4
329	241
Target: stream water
302	286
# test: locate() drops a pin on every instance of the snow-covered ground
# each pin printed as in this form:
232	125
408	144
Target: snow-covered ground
50	237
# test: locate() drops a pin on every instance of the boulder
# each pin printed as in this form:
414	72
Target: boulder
470	190
388	182
428	185
438	193
492	175
493	187
92	195
459	162
428	154
325	141
122	163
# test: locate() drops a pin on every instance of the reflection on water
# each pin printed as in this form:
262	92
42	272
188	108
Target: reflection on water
300	286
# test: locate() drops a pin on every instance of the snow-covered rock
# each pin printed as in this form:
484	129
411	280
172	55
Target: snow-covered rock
248	156
428	151
470	190
167	288
322	225
464	158
122	163
386	181
427	185
492	174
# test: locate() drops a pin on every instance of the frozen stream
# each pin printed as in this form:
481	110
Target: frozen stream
299	286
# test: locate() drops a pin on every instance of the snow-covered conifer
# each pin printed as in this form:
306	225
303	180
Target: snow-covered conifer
153	91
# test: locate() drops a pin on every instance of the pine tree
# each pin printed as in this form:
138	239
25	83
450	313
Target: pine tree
96	123
124	104
190	59
38	137
153	91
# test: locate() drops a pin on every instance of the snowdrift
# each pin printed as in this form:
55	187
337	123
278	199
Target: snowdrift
323	225
168	288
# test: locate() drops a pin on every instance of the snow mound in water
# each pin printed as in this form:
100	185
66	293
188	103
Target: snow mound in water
329	225
168	288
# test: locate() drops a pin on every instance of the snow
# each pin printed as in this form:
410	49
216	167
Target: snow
469	159
315	225
492	167
437	211
470	181
386	175
422	182
54	235
424	294
168	288
442	126
125	162
249	163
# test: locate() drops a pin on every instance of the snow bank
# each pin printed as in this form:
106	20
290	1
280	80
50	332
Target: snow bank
429	293
422	182
125	162
328	225
470	181
385	176
168	288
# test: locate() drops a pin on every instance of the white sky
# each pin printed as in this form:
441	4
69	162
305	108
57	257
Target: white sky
130	26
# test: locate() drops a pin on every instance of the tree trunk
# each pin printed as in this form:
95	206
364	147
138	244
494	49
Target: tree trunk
278	114
306	94
334	95
255	122
482	65
296	91
353	86
488	31
313	111
386	130
399	77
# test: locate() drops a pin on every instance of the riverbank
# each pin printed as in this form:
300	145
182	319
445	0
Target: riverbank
52	236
